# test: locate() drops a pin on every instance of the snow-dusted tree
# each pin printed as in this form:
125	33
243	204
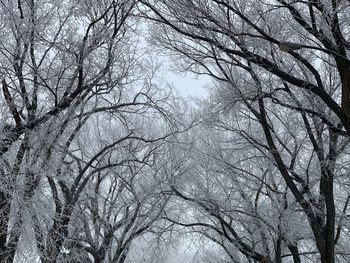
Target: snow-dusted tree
101	182
284	67
121	203
78	103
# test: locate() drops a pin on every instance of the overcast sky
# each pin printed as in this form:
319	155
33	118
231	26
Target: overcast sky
188	85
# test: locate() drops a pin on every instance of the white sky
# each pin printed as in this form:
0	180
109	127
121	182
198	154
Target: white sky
188	85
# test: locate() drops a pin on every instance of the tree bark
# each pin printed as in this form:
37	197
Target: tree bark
344	70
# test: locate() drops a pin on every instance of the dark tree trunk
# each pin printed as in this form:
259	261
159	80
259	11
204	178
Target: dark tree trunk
295	253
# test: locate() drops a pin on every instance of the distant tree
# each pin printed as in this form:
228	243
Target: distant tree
122	204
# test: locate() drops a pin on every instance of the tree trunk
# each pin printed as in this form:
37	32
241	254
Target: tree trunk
5	206
295	253
344	71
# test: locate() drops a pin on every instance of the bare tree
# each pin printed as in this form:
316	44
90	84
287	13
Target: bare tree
76	91
286	63
121	204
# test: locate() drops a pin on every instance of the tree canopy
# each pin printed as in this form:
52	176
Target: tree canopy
100	158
